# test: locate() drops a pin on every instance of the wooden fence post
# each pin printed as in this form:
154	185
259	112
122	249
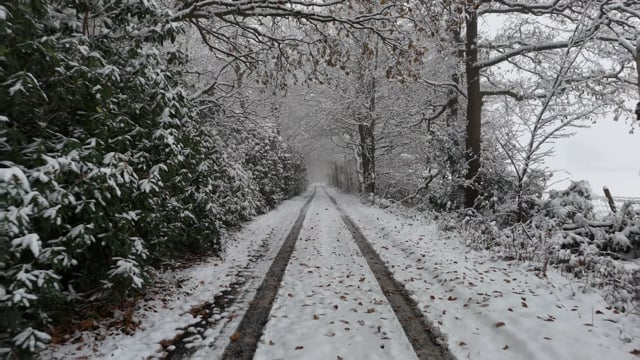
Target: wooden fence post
607	193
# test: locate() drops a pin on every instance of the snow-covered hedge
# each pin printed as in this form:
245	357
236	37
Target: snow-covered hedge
104	167
278	171
566	233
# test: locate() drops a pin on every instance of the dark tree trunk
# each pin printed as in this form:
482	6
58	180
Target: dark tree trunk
367	151
474	110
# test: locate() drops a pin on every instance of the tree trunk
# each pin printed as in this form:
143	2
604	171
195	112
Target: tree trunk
474	109
367	151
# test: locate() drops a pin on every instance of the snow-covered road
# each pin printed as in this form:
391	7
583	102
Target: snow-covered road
330	306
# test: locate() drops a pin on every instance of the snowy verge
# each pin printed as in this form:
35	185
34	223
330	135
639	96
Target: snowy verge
168	304
493	309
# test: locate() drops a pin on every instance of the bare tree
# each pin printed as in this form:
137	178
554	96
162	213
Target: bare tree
534	34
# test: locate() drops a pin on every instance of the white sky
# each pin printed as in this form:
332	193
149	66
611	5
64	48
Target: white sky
604	154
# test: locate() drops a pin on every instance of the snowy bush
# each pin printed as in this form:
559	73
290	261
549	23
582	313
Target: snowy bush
104	167
565	233
277	170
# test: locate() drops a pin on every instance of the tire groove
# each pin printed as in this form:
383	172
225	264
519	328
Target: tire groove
254	320
420	334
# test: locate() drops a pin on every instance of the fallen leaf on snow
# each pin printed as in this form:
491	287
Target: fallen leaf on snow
499	324
452	298
235	336
315	317
635	352
505	347
299	347
370	310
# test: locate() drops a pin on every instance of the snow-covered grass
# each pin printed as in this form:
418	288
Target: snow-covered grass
166	307
489	308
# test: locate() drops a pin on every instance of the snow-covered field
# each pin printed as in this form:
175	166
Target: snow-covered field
493	309
329	305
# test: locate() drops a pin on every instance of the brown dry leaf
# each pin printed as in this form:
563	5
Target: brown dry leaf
290	295
452	298
342	297
432	297
524	304
86	324
315	317
547	338
340	357
335	307
370	310
271	342
299	347
235	336
361	280
599	312
510	309
499	324
505	347
462	343
635	352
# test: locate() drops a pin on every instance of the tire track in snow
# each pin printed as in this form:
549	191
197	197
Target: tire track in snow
256	317
411	318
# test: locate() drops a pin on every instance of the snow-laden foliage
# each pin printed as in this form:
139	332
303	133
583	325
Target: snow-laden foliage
104	167
278	171
564	232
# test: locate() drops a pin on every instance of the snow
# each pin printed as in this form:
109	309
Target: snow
494	309
330	305
31	241
4	13
6	174
16	87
